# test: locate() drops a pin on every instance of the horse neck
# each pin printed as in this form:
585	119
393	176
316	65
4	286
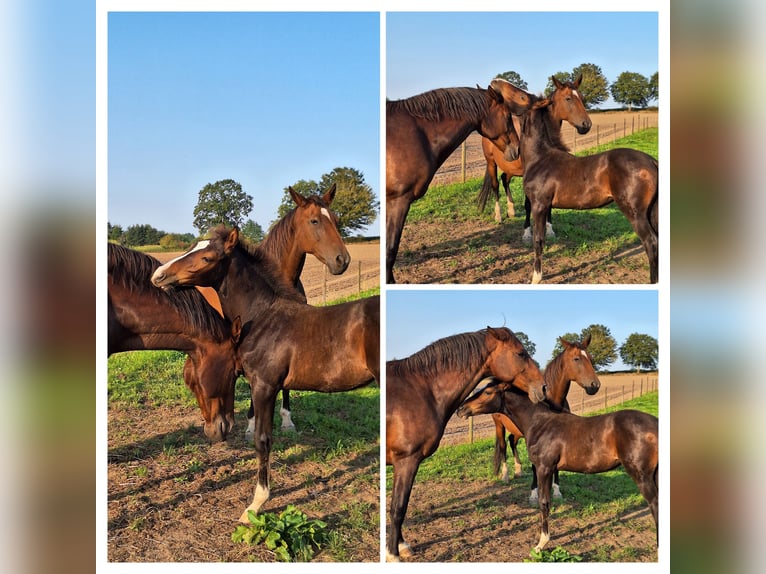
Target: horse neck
455	389
445	136
541	138
558	385
281	247
518	408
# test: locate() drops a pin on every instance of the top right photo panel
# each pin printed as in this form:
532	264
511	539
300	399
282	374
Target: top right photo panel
522	147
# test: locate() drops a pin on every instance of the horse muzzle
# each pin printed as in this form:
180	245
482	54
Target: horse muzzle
339	264
511	153
593	388
218	429
584	128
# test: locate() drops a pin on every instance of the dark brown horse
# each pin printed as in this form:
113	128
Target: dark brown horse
311	227
422	393
555	178
561	440
566	105
143	317
573	363
421	133
284	343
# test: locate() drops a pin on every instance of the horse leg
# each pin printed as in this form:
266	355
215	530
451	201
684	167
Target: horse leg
284	412
506	179
404	475
556	489
549	233
516	459
538	240
526	237
501	452
263	400
533	490
490	186
250	430
544	475
647	481
396	214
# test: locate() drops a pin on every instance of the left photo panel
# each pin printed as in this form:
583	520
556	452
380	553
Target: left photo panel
243	379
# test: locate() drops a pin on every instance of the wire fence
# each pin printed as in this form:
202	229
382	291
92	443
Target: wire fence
461	431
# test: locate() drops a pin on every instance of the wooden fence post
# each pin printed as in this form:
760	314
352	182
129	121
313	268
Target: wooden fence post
463	159
470	430
359	277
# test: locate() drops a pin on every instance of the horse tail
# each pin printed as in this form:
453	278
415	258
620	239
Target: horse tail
486	189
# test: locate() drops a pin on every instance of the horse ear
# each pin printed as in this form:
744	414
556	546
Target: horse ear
541	104
231	241
236	329
329	194
566	344
299	200
492	93
576	83
557	83
586	341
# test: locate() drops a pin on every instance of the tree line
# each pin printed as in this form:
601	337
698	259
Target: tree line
630	89
226	202
639	350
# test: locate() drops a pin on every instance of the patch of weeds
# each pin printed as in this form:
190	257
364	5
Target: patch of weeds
291	535
558	554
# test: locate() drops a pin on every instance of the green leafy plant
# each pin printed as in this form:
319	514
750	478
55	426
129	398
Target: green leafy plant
558	554
290	535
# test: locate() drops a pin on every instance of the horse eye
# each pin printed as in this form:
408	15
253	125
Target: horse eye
205	259
314	222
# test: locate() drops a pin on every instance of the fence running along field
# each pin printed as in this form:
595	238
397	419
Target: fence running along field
459	430
467	162
360	276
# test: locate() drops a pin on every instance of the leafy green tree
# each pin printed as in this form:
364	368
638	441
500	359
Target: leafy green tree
558	347
654	87
640	350
221	202
114	232
593	88
631	89
602	348
176	241
144	234
526	342
514	78
354	204
252	231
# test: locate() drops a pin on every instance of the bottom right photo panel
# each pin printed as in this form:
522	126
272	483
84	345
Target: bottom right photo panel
522	426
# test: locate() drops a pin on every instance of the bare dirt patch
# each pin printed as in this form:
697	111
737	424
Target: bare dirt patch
175	498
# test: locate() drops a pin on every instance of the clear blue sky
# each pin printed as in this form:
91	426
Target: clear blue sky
266	99
439	50
416	318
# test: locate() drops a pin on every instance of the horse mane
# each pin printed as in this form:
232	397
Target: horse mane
262	263
441	103
133	270
279	236
466	351
549	129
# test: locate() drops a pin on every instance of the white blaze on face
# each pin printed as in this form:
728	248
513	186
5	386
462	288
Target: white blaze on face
583	353
201	245
326	213
576	94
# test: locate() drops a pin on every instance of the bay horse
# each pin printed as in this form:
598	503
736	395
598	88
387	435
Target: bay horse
143	317
284	342
421	133
423	391
310	227
565	441
555	178
566	105
573	363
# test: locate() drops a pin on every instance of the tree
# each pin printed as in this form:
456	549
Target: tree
631	89
640	350
143	234
114	232
602	348
654	87
593	88
176	241
514	78
252	231
221	202
526	343
355	204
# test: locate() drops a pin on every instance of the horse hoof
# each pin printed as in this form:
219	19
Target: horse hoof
536	277
391	558
405	550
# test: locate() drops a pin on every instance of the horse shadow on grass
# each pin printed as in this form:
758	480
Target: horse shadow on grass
509	516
